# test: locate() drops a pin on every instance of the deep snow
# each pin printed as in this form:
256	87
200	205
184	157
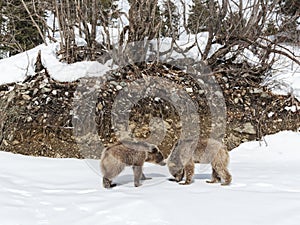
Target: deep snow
265	190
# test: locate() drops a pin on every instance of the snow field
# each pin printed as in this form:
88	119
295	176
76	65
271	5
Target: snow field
265	190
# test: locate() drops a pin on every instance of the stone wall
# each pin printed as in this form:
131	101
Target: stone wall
44	117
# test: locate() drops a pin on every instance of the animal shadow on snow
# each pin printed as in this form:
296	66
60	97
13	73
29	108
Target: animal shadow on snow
205	176
127	179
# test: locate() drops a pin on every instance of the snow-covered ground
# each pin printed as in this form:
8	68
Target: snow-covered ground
265	190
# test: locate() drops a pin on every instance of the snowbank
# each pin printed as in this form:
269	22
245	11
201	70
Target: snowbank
15	68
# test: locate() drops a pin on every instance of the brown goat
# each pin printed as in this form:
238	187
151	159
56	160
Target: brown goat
116	157
181	161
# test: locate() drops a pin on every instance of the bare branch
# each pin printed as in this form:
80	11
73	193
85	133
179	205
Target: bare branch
33	21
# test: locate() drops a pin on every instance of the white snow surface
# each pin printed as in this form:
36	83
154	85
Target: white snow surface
265	191
16	68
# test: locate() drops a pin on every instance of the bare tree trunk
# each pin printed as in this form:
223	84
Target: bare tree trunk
143	21
93	31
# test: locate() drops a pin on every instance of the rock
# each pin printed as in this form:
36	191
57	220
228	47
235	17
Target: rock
48	99
99	106
270	114
246	128
123	84
46	90
201	92
189	90
257	90
42	85
35	91
26	97
264	95
5	142
114	83
225	79
119	87
15	142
